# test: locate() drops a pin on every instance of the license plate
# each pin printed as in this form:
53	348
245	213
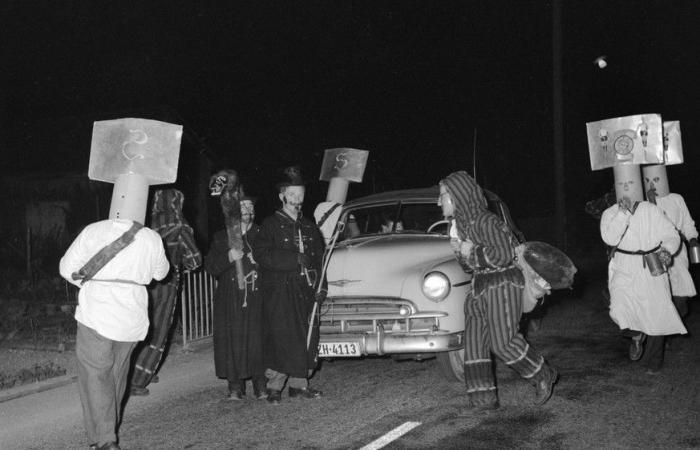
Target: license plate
338	349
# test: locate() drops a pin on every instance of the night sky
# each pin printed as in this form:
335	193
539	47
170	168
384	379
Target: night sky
266	84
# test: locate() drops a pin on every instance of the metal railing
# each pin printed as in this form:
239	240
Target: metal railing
197	300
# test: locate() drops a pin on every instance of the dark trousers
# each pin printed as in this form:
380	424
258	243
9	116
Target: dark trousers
653	356
164	298
103	368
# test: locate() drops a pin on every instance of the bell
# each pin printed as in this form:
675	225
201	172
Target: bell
694	252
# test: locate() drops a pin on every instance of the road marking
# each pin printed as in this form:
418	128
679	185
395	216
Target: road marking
391	436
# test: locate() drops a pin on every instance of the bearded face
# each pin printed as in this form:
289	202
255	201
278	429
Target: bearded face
292	199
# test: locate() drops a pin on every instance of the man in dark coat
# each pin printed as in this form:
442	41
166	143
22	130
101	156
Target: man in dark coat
289	249
180	248
237	312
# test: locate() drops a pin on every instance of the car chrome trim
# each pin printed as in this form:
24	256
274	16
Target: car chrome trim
384	342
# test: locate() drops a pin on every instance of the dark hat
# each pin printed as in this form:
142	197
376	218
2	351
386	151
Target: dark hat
245	197
291	176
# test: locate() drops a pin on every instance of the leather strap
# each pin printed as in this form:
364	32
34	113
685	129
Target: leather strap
105	255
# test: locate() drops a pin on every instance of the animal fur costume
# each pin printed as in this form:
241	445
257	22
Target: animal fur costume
494	306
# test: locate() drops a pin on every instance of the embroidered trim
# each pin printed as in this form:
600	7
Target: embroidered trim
521	357
477	361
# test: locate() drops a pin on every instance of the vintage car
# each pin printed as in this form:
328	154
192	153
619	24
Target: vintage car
394	285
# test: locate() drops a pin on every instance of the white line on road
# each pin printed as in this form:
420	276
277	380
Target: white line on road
391	436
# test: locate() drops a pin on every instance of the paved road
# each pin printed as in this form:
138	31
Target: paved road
602	401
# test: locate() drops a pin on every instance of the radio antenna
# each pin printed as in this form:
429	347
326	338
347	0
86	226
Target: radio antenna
474	156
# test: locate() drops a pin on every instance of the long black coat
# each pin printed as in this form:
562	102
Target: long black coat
237	329
288	298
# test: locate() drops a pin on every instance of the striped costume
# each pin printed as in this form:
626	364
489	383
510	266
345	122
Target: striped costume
180	248
494	306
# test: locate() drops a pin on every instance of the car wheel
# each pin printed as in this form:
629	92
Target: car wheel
452	365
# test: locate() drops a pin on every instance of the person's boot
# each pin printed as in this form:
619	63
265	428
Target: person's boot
544	382
260	389
139	391
483	400
637	347
236	390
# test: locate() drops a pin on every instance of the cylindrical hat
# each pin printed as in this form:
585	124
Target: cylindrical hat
129	198
291	176
628	182
655	181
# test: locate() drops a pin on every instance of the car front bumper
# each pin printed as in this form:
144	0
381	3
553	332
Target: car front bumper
385	343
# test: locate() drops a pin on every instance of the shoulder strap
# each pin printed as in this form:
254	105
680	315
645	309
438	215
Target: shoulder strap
324	217
105	255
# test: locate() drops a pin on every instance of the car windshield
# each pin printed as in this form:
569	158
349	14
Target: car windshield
391	218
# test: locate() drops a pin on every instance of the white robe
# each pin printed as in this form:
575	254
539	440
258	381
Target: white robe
675	209
638	300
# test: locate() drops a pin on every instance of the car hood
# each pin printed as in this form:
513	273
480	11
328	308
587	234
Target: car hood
379	265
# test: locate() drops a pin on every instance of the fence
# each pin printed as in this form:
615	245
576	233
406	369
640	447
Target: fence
196	298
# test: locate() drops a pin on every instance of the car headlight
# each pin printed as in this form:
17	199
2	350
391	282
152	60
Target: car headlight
436	286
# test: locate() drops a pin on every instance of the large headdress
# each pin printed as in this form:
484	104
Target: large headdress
624	143
655	177
133	154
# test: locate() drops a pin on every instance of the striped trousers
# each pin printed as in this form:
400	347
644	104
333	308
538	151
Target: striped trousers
491	326
164	298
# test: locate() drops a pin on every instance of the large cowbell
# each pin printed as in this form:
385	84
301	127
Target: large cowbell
634	139
133	154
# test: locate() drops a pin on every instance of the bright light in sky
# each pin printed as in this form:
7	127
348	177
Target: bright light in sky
602	63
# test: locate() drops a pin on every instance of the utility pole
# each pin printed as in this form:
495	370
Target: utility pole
558	128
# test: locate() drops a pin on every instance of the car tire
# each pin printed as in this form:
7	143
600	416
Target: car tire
452	365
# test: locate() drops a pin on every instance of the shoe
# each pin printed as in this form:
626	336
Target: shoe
138	390
483	401
545	380
274	396
637	347
109	446
306	392
259	393
654	370
93	447
155	379
235	395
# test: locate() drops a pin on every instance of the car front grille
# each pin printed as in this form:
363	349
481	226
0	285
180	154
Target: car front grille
369	315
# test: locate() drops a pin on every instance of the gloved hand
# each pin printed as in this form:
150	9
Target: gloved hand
304	260
693	242
321	295
234	255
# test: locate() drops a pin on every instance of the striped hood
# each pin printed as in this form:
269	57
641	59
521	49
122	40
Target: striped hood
468	199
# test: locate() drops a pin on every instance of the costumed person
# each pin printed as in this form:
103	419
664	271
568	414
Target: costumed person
485	245
181	250
113	260
289	249
673	205
238	349
237	321
643	240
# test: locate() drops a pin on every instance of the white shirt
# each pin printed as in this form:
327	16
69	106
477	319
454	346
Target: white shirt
116	310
